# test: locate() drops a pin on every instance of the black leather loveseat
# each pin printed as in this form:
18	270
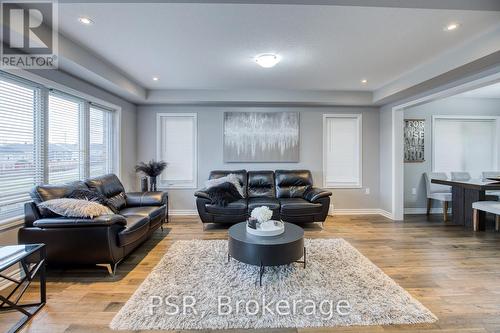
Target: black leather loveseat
106	239
288	193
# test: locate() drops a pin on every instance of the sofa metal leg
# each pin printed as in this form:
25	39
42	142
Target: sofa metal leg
111	268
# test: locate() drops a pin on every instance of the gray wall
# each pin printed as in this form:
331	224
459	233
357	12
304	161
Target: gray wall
413	172
210	127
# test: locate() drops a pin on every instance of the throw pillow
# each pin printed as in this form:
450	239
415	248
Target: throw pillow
88	195
231	178
69	207
223	194
117	202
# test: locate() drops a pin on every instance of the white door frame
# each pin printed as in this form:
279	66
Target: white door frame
398	127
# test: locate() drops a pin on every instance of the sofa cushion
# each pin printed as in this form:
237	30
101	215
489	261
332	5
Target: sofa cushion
261	184
109	185
238	207
241	174
292	183
137	226
298	207
46	192
42	193
272	203
151	211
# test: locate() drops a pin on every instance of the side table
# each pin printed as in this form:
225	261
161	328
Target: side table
31	259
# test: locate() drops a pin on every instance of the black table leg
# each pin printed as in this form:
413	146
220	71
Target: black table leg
261	273
470	197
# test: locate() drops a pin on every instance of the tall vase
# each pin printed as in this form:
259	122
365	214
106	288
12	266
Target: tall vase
152	184
144	184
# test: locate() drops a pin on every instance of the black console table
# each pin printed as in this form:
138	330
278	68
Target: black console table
31	259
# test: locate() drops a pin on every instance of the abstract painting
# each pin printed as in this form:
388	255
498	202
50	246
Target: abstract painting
261	136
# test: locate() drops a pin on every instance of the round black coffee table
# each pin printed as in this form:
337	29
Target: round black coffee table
263	251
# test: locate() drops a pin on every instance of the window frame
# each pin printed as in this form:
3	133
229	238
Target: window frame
178	184
46	86
343	185
496	121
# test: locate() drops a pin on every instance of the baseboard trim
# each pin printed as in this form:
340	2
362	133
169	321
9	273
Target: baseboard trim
182	212
359	211
420	211
15	274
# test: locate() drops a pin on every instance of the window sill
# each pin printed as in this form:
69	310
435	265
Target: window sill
11	222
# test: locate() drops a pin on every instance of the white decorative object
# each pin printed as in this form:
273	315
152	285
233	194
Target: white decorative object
268	229
262	214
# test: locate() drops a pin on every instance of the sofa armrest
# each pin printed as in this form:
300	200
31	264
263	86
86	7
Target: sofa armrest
63	222
31	213
139	199
202	193
316	193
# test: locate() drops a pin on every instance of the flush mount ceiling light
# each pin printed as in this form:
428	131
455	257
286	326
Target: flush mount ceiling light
155	78
451	27
364	81
267	60
85	20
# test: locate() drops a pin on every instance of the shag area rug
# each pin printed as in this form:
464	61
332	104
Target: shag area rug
195	287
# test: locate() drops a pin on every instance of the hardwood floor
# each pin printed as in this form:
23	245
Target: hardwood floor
452	271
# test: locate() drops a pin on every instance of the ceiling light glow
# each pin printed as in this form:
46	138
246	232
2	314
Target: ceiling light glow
267	60
155	78
85	20
451	26
364	81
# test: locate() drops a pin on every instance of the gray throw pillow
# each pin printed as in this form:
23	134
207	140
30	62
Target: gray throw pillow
117	202
75	208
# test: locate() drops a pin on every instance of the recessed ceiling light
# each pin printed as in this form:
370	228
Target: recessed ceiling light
85	20
451	27
364	81
155	78
267	60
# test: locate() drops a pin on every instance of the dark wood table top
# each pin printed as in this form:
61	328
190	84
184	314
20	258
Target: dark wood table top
474	184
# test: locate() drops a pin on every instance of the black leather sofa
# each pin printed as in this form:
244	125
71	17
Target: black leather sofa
106	239
288	193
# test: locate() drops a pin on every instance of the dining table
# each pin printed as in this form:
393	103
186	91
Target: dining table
464	194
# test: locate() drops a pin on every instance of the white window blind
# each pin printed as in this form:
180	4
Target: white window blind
177	146
19	167
101	141
464	144
65	155
342	151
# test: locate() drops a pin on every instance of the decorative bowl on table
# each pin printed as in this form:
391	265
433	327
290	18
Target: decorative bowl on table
267	229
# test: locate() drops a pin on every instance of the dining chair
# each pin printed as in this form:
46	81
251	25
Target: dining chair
460	176
491	174
437	192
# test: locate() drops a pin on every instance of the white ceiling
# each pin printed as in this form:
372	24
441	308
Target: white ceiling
491	91
324	48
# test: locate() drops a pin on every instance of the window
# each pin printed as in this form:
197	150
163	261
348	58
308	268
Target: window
465	144
18	152
342	151
177	146
48	137
101	141
65	155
